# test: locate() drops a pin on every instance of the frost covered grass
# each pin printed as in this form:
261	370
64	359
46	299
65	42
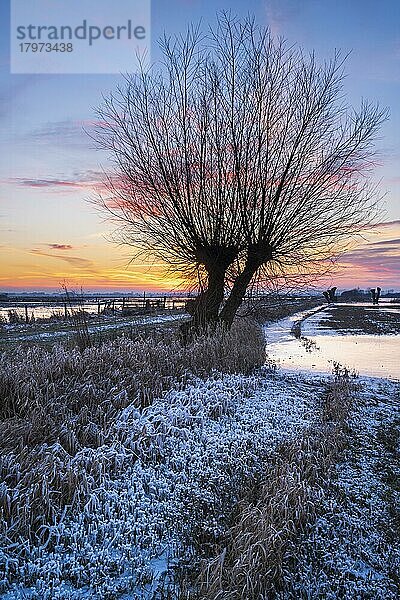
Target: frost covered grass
256	554
353	549
324	523
158	491
143	469
88	488
96	329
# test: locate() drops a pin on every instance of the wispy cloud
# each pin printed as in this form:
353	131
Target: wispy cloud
85	180
43	183
75	261
280	12
388	243
74	134
386	224
376	262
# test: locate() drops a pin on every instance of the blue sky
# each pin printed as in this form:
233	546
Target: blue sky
48	166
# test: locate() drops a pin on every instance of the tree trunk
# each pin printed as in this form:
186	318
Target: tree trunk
214	295
204	309
237	294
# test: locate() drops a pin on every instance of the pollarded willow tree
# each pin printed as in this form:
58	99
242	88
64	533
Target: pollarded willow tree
238	160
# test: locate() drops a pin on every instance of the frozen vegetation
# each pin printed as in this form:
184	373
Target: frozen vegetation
353	550
55	330
166	479
146	469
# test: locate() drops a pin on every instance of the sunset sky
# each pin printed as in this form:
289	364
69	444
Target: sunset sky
48	166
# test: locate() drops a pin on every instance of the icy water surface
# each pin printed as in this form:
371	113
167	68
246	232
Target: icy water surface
321	344
41	310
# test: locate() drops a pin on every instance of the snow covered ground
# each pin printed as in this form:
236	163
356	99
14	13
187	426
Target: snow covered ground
176	470
23	332
353	550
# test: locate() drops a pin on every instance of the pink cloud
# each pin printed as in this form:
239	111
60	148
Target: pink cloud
373	263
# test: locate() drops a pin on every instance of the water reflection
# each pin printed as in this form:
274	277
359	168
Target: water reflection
46	311
373	355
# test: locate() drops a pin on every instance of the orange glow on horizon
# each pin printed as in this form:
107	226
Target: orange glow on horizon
102	266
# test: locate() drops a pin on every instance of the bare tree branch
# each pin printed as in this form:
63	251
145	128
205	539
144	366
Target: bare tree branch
238	161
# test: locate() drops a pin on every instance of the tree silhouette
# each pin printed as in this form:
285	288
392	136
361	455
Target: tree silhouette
238	161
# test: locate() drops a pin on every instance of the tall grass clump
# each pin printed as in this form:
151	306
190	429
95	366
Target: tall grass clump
80	319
